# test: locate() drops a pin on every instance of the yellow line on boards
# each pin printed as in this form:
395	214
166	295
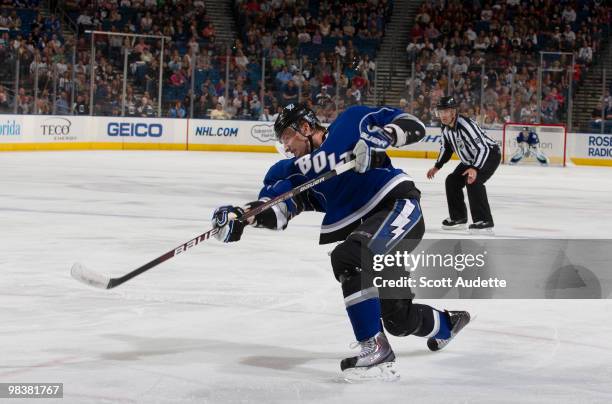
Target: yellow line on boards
232	147
89	146
592	162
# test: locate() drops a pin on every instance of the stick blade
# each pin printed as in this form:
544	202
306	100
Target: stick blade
85	275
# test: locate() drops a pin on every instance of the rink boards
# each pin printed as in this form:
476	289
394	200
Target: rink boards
46	132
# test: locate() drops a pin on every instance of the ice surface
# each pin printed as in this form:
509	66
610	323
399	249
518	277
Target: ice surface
263	320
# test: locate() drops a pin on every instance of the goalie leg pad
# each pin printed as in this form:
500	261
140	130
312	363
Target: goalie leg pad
541	157
518	156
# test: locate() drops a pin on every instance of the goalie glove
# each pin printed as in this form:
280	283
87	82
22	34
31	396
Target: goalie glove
230	229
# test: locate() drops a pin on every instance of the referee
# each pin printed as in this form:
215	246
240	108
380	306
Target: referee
479	156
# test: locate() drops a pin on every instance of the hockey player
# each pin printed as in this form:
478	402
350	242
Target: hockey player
369	210
528	143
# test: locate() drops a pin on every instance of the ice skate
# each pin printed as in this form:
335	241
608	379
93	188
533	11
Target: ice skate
450	224
481	227
376	361
458	320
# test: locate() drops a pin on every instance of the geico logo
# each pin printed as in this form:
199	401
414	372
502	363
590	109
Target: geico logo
56	126
134	129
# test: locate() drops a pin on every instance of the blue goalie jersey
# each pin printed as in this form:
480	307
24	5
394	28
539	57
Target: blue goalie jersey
531	138
349	197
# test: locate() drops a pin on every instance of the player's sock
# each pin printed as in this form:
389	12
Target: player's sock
363	309
434	323
376	360
457	320
444	325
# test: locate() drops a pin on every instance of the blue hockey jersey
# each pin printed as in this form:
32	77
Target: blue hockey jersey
531	138
347	198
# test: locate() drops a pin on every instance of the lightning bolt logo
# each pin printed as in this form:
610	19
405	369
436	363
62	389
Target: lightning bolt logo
401	221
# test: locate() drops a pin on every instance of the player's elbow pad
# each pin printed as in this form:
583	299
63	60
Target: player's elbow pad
406	130
275	218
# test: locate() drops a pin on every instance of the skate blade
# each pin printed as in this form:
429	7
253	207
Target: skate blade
456	227
482	232
384	372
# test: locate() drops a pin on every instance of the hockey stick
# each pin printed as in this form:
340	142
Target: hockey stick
95	279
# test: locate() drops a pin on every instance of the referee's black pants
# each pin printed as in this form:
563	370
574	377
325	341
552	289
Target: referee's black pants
477	192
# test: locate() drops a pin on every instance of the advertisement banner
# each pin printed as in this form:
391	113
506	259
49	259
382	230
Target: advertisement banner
50	132
139	133
58	129
64	131
12	129
231	135
592	149
38	132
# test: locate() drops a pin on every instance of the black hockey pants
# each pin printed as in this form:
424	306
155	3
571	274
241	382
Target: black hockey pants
477	192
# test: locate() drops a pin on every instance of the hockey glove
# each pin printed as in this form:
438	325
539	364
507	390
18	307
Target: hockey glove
230	229
367	157
274	218
404	132
392	132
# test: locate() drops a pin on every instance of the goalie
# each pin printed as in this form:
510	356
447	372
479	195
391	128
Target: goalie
528	144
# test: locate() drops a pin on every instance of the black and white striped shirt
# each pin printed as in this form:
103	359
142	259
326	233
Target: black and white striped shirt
466	139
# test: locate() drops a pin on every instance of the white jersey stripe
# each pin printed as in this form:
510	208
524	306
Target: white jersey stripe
476	145
371	204
481	146
436	327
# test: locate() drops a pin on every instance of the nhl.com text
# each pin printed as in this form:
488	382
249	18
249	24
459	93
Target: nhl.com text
412	262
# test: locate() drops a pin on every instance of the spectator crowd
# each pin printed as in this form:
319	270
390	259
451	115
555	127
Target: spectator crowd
308	53
487	55
322	52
